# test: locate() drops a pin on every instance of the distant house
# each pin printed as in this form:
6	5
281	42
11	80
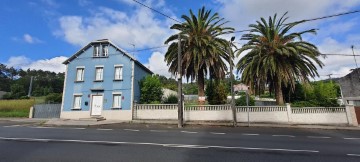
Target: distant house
240	87
350	87
101	80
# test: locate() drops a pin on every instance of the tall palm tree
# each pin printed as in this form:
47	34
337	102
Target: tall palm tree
203	51
277	57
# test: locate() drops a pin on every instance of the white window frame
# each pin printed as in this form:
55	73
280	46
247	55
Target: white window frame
77	106
105	50
82	74
113	100
96	52
101	77
120	76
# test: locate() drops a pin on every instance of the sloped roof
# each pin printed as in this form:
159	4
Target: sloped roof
105	41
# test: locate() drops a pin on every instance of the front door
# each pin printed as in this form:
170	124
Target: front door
96	105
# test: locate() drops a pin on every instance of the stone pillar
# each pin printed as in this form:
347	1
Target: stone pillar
351	116
288	110
31	113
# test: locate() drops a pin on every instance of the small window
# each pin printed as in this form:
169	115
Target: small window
105	50
116	101
96	51
80	74
77	102
99	73
118	73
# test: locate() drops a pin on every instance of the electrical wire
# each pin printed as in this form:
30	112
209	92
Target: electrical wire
325	17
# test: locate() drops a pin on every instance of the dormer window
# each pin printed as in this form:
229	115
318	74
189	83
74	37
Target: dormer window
96	51
105	50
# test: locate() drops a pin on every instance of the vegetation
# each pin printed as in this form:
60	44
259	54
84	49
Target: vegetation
203	51
216	93
151	91
15	108
276	57
53	98
17	81
171	99
242	101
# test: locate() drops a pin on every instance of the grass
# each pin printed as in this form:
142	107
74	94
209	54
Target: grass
39	100
15	108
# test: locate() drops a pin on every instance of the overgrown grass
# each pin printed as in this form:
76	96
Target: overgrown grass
15	108
39	100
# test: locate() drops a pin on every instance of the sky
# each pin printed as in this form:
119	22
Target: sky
41	34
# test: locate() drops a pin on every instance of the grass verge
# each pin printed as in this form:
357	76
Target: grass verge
15	108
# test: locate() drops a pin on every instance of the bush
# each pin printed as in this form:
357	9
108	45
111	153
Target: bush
150	90
310	103
242	101
24	97
53	98
171	99
316	103
216	93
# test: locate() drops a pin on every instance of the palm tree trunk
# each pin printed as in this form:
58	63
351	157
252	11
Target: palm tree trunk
201	85
278	93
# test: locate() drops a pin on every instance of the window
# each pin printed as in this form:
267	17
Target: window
116	101
118	72
77	102
99	73
96	51
105	50
80	74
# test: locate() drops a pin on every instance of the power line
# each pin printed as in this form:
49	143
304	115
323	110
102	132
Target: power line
338	54
150	48
325	17
157	11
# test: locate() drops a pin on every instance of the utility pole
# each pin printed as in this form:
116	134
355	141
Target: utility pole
247	106
30	86
180	109
352	48
231	83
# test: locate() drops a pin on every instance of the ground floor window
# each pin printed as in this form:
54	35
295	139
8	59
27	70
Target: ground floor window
116	101
77	102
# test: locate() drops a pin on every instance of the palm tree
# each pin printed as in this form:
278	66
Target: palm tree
276	57
203	51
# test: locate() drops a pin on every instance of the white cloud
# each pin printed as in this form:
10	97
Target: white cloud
157	64
53	64
140	28
27	38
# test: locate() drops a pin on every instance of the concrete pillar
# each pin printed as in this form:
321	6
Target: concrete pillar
351	116
288	110
31	113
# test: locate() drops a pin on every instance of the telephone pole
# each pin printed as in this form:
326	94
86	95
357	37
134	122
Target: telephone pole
180	108
30	86
231	83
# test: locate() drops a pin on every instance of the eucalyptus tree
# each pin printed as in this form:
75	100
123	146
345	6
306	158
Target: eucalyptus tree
276	56
203	50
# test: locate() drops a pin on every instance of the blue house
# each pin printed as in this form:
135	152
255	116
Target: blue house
101	80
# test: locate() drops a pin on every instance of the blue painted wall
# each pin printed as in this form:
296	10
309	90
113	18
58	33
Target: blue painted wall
87	60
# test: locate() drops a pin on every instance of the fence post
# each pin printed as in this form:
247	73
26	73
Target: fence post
134	111
31	113
289	112
351	116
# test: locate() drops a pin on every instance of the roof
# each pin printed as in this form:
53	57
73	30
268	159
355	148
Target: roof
110	43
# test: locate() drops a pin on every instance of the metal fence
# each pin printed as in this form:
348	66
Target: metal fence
47	111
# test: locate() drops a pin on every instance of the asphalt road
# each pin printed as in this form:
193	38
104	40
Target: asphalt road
143	142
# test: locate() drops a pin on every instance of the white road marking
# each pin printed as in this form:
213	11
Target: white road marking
353	154
12	126
134	130
317	137
217	133
249	134
42	127
104	129
155	144
283	135
73	128
352	138
158	131
188	132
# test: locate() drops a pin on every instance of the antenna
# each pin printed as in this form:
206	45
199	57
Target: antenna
134	48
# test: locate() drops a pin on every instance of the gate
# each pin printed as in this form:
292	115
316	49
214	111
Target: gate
47	111
357	112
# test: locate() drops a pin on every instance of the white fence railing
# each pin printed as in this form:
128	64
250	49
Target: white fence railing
273	114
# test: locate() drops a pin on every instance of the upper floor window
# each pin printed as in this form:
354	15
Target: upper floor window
96	51
118	72
80	74
99	73
105	50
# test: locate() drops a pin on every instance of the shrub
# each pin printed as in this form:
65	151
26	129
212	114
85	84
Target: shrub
242	101
150	90
53	98
171	99
216	93
24	97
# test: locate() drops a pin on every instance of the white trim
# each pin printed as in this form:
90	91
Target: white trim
64	89
102	72
116	93
132	87
77	94
82	74
119	65
99	66
73	103
78	67
112	99
91	98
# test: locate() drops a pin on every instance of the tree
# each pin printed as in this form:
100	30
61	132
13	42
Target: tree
202	49
150	90
216	93
276	57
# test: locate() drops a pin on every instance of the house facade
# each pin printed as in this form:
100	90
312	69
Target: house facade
101	80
